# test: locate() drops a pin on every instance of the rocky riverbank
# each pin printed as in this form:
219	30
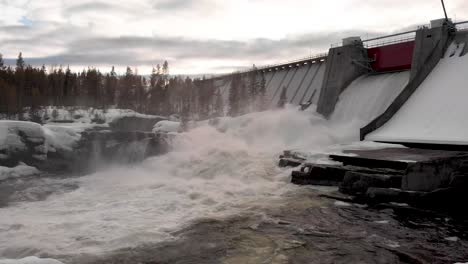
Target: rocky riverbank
80	145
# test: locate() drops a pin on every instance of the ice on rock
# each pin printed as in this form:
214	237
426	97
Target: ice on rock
166	126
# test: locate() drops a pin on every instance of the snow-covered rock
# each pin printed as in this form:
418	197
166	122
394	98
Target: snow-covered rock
166	126
21	170
21	141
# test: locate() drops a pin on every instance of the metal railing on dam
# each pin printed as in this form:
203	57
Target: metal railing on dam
463	26
321	57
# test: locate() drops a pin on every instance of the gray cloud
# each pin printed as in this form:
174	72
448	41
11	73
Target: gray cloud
172	4
62	32
85	7
137	51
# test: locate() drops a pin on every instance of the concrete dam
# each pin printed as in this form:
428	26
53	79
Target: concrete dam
302	78
380	75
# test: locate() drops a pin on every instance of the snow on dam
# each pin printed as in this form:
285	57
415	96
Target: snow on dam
302	80
437	111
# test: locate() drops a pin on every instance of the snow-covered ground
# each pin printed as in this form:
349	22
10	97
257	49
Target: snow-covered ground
437	111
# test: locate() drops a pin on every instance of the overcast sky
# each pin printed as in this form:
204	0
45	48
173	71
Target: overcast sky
198	36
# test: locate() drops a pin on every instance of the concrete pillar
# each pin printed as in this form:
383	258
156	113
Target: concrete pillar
344	65
428	41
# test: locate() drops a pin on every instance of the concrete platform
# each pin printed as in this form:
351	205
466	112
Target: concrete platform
424	169
391	173
395	158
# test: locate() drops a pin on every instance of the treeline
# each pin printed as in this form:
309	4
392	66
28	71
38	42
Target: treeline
24	86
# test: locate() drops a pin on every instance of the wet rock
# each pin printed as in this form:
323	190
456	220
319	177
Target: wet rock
290	159
135	123
333	175
384	195
100	148
324	175
358	182
434	173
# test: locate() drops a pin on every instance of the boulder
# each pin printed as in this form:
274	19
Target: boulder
137	122
21	141
355	182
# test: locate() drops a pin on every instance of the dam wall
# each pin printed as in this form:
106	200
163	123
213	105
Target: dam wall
436	112
370	70
302	79
321	79
344	65
430	46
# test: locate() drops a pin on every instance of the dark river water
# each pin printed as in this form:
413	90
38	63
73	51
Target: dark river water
304	225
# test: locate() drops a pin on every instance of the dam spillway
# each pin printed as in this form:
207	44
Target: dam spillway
361	73
302	78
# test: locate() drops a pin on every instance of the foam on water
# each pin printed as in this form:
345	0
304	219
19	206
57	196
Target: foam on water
212	171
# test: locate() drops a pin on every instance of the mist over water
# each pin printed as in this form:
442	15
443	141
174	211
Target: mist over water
212	171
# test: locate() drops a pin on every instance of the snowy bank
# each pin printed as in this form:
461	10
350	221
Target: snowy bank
21	170
21	141
166	126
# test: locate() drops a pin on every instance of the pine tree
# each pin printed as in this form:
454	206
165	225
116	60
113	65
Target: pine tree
67	82
20	64
154	76
20	81
165	72
127	90
283	98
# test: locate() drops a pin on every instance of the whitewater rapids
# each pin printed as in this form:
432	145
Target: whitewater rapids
212	171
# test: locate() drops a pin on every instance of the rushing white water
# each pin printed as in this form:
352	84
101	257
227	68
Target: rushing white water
212	171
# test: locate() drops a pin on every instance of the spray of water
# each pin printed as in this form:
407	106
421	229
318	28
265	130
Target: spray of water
212	171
